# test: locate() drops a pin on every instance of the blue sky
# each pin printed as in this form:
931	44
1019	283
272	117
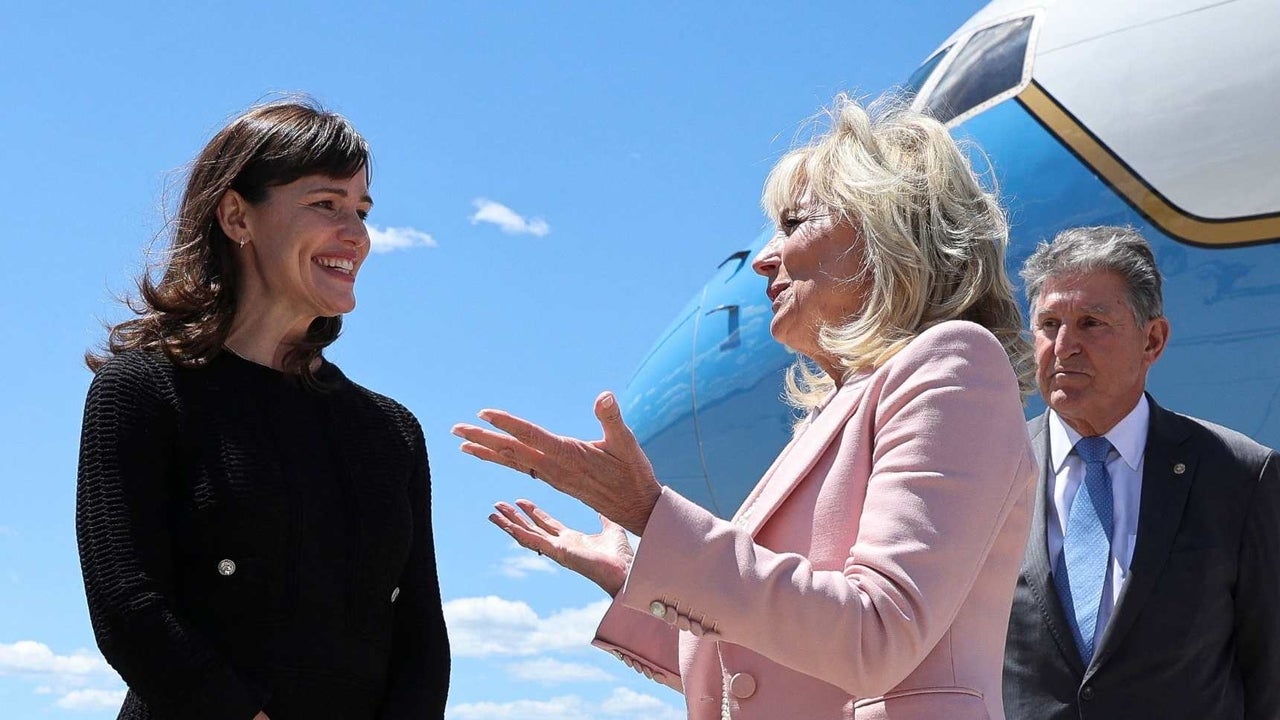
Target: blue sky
556	179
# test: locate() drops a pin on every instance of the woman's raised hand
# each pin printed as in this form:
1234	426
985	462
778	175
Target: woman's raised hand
612	475
602	558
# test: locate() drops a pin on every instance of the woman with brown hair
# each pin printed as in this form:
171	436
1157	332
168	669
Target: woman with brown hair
254	527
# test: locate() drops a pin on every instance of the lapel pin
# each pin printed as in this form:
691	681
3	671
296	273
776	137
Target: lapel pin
1179	469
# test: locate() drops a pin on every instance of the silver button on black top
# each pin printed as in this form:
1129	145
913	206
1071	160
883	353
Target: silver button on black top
226	567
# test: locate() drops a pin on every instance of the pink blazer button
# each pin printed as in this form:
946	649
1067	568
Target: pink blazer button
742	686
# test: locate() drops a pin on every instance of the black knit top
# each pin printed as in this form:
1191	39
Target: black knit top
251	544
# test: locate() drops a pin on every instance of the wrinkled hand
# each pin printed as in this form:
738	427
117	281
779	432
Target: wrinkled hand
612	476
602	558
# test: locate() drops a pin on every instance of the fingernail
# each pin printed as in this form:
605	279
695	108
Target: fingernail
608	401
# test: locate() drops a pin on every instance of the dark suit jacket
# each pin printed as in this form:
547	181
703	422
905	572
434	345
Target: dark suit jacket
1196	631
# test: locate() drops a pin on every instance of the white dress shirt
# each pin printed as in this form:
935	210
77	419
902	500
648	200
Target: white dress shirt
1124	463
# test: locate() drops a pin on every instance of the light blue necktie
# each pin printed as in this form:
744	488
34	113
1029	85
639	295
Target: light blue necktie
1082	565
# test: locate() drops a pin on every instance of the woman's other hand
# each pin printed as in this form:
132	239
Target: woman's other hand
612	476
602	558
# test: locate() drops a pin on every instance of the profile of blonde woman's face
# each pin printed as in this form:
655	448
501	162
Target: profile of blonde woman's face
816	270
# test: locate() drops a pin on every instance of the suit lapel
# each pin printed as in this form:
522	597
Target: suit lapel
1167	471
1036	569
795	461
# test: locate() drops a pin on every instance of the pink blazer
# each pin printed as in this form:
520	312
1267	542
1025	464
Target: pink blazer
870	572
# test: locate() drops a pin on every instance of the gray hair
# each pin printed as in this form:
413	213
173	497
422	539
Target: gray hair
1109	248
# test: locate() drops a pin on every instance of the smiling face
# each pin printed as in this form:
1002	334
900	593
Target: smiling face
306	242
1092	356
816	267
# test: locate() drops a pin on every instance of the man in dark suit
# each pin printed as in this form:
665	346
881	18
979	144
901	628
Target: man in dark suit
1151	584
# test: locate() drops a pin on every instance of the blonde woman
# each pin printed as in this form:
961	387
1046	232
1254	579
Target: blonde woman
871	571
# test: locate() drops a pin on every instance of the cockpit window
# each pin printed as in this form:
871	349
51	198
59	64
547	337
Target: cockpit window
921	75
989	64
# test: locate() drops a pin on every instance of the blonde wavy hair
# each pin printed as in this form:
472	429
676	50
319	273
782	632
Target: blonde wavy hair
935	238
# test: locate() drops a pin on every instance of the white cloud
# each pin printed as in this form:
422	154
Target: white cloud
6	531
569	707
91	700
485	626
519	566
550	671
33	658
623	704
508	220
83	680
393	238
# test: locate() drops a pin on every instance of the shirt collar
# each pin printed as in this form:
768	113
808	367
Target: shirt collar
1128	437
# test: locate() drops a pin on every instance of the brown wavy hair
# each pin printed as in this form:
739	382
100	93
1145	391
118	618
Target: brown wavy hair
188	313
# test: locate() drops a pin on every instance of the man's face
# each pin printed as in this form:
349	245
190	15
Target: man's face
1092	355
